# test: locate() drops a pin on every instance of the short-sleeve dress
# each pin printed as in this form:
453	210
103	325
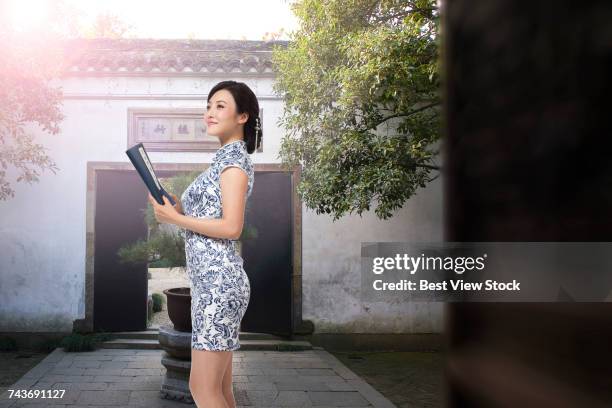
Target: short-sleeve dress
220	288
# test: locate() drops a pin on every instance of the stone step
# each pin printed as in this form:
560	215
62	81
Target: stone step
153	334
131	344
275	345
258	336
149	334
244	344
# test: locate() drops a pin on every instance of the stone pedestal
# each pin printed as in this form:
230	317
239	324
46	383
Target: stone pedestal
177	360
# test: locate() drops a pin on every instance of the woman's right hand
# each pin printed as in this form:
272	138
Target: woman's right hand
178	206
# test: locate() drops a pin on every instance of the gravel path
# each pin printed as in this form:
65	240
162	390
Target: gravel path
161	279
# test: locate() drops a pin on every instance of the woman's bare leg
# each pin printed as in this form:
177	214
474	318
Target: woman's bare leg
226	384
206	377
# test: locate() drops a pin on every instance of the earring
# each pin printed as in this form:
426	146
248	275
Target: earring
257	128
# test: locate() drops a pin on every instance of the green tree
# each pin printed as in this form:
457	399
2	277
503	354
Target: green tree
362	105
29	61
273	35
27	64
108	25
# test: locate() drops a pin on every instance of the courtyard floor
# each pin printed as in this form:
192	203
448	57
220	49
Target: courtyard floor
129	378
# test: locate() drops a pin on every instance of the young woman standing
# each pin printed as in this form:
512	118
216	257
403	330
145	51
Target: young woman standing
211	210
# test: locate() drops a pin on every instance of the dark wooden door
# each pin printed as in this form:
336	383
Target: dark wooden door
120	291
268	258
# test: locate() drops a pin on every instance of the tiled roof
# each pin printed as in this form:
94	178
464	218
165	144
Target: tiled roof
147	56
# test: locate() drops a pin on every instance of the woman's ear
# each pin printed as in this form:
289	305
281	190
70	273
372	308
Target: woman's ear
244	118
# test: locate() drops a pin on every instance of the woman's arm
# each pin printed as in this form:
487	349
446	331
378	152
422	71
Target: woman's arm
234	184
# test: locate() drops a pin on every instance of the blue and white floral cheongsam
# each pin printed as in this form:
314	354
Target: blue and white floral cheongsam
220	288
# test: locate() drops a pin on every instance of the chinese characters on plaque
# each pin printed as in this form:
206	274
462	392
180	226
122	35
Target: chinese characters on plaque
160	129
171	129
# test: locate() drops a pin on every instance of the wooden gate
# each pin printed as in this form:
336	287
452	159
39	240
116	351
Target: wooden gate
120	291
268	258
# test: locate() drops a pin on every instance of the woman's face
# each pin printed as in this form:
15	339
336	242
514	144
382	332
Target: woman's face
221	117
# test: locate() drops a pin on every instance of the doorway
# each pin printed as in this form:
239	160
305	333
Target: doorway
120	290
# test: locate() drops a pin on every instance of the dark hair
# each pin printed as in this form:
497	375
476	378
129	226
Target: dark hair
246	102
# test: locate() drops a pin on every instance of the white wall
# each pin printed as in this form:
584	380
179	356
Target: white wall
331	262
42	229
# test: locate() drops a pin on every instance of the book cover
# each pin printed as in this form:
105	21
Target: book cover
140	159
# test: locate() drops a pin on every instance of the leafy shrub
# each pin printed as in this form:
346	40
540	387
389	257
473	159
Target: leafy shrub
77	342
83	342
158	301
49	345
289	347
7	344
162	263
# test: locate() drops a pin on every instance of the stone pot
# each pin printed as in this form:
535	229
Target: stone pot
179	308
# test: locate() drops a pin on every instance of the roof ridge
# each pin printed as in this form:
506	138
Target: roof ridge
82	56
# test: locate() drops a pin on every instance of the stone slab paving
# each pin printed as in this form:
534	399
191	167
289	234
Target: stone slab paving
132	378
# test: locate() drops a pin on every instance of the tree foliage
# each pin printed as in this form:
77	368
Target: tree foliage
362	106
108	25
29	61
26	99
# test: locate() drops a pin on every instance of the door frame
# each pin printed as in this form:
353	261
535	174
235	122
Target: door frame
93	167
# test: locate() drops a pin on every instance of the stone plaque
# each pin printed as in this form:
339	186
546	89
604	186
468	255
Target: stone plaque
172	129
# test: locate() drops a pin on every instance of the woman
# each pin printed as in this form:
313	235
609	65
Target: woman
211	211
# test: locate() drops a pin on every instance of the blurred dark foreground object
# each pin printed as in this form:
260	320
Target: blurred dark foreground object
528	158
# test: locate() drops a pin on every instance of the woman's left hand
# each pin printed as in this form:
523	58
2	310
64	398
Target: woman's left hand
164	213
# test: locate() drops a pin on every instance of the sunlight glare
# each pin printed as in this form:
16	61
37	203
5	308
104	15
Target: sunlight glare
27	14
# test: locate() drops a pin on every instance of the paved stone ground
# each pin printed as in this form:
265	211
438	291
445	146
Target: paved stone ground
410	379
14	364
132	378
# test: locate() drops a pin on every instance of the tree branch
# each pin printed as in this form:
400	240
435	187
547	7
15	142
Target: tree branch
426	12
433	178
406	114
428	166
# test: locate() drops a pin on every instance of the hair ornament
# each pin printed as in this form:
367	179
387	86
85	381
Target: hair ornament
257	128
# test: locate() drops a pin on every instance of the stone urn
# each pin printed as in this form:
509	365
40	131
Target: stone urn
179	308
176	341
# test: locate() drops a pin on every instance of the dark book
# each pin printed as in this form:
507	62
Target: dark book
139	158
